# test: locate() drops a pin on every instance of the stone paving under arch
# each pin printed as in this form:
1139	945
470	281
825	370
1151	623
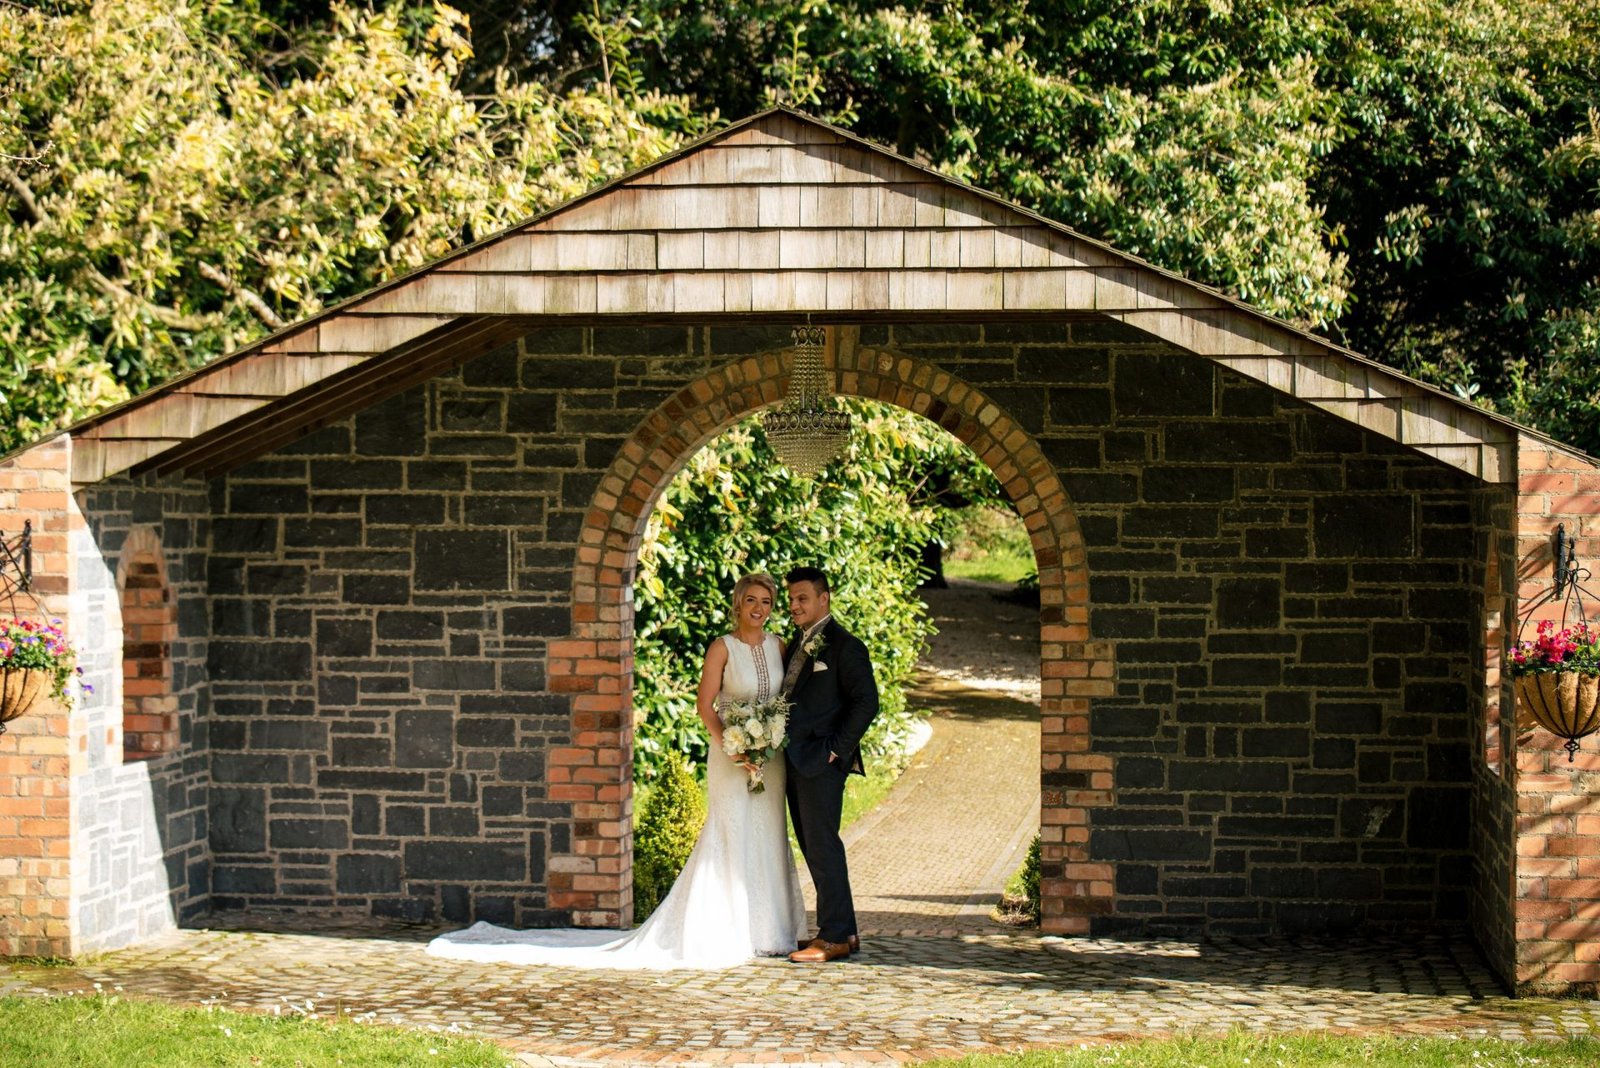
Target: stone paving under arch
904	998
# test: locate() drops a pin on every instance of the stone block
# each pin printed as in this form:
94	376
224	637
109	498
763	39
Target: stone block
1175	522
238	820
1189	485
376	589
1439	817
394	427
478	414
1087	408
321	533
510	511
1116	844
453	821
1163	385
1228	442
299	833
268	498
453	674
1228	776
1123	622
411	626
436	475
486	862
1247	603
1364	527
404	509
243	879
344	637
1275	742
462	560
424	739
1064	363
353	474
367	873
483	732
497	369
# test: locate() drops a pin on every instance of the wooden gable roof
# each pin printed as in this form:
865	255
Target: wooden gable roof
773	216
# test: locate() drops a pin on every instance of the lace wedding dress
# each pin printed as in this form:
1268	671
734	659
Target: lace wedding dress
737	897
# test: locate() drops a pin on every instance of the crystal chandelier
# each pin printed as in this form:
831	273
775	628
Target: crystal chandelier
806	430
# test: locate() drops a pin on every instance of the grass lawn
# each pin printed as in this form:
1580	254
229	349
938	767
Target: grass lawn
1303	1051
97	1031
990	567
991	545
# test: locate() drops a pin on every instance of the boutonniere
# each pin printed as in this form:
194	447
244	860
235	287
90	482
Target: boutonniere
815	644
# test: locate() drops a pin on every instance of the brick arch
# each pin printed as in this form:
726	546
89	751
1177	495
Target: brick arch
149	628
595	666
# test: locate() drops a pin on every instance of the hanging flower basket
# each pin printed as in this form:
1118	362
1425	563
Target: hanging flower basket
35	660
1557	678
19	689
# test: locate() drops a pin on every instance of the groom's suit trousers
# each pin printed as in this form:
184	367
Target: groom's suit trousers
815	805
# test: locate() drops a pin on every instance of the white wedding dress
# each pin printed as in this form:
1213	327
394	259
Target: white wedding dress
737	897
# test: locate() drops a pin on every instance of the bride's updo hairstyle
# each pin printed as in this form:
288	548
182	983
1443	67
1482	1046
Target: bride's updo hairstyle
742	587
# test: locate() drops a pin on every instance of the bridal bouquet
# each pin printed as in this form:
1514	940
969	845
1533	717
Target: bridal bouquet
755	732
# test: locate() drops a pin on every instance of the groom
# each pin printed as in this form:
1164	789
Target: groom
828	680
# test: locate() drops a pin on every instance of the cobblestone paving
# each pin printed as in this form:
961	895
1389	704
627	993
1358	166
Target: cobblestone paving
904	998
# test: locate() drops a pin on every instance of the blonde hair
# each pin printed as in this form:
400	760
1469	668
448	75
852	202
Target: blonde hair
757	578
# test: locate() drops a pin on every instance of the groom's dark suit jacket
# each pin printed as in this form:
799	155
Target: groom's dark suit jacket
834	700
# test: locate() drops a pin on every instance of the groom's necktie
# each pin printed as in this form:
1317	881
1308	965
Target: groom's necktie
791	674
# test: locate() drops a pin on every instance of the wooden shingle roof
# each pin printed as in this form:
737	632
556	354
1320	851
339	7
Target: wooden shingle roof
776	215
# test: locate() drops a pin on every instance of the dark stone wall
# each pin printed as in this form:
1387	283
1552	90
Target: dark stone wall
1291	602
382	595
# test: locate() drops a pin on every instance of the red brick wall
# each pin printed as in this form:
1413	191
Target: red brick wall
149	627
596	666
1558	801
37	757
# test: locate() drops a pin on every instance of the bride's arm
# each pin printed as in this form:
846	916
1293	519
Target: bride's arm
710	686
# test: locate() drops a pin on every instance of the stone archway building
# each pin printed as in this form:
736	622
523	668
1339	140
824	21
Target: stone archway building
399	539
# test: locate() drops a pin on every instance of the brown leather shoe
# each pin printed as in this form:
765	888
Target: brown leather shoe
820	952
854	942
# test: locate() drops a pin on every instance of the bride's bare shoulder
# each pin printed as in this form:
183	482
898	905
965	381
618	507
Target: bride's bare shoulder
717	650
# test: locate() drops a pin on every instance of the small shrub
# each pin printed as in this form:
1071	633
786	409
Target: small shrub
664	834
1019	902
1028	876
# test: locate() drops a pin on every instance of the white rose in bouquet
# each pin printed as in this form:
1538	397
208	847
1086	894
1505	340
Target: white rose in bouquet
735	740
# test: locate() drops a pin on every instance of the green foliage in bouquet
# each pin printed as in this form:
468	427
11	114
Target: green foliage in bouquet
665	833
735	509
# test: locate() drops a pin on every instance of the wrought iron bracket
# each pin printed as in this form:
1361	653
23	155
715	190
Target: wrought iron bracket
16	564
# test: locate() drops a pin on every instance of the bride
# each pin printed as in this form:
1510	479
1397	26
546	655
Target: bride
738	895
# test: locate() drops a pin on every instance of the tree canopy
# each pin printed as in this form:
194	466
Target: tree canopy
177	179
1415	179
